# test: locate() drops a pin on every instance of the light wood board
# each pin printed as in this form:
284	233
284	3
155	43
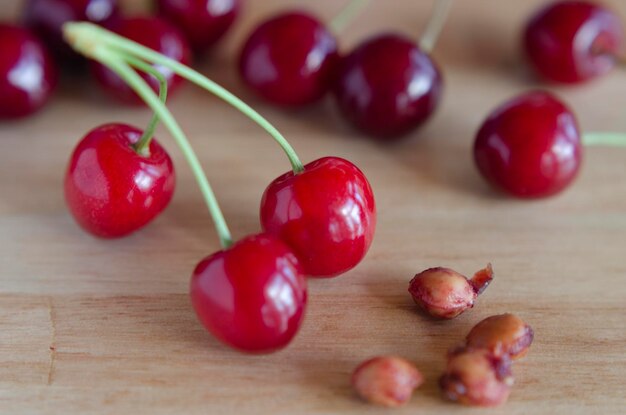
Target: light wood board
105	327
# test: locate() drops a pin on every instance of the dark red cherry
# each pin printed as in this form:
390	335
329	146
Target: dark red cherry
46	18
529	146
154	33
326	214
289	59
110	189
28	74
252	295
203	22
574	41
387	86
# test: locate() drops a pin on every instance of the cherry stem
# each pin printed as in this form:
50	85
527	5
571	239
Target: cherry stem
116	63
435	25
88	38
143	145
347	15
605	139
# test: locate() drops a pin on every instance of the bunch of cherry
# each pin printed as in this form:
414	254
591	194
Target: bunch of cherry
32	54
317	220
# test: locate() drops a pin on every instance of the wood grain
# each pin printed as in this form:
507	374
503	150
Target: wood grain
105	327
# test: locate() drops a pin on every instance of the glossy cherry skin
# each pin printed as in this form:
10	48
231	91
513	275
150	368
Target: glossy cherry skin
574	41
203	22
530	146
251	296
46	18
289	60
326	214
28	74
154	33
387	86
110	189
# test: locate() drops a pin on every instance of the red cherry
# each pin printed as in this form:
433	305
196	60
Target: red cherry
387	86
27	73
153	33
252	295
46	18
110	189
574	41
289	59
530	146
326	214
203	22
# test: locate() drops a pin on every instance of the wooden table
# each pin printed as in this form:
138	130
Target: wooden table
105	327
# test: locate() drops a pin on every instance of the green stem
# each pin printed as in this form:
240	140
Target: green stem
435	25
347	15
143	145
605	139
142	89
88	38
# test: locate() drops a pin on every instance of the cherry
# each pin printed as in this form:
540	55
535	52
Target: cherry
153	33
203	22
46	18
574	41
252	295
326	213
289	59
530	146
110	189
27	73
387	86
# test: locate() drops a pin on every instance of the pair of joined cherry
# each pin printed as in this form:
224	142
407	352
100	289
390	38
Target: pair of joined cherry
317	220
386	87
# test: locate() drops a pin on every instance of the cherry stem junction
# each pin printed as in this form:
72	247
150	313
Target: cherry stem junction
88	38
347	15
437	20
604	139
143	145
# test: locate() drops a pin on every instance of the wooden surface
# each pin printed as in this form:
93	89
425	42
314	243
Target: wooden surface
105	327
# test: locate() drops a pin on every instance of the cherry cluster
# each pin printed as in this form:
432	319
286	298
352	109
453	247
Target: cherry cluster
318	219
386	87
36	49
